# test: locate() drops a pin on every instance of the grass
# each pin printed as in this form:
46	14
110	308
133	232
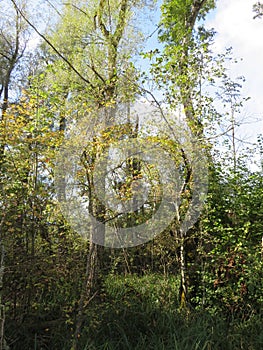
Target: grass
174	332
142	313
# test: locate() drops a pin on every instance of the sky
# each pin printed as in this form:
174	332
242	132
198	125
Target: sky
235	27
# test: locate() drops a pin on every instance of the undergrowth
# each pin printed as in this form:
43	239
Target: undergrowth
141	313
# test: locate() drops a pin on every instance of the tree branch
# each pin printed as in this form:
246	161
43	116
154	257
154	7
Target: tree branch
121	21
102	26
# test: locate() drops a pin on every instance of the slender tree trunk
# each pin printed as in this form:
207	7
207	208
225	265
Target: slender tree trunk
3	345
87	290
2	308
3	113
183	292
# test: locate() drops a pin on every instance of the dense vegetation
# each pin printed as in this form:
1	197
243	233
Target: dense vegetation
200	288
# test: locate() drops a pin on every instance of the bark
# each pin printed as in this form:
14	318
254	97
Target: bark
3	345
87	293
183	291
2	308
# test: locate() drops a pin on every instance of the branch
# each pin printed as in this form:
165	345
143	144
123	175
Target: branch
121	21
195	10
100	22
221	134
76	7
54	8
92	67
4	56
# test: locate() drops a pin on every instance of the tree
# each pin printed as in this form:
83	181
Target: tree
91	68
186	49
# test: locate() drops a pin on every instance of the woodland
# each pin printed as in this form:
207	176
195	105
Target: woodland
197	284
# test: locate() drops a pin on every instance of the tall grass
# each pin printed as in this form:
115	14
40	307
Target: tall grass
141	313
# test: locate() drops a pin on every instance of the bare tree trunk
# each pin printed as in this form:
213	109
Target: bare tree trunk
183	292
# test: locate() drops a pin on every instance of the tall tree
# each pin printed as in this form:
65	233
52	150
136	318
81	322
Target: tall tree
88	65
186	47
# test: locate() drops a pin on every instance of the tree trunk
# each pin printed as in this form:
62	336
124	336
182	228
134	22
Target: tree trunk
183	291
87	290
3	345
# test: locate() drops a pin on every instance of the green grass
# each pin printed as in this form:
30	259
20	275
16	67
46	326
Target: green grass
142	313
198	332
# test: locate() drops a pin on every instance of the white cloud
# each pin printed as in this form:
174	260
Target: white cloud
235	27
